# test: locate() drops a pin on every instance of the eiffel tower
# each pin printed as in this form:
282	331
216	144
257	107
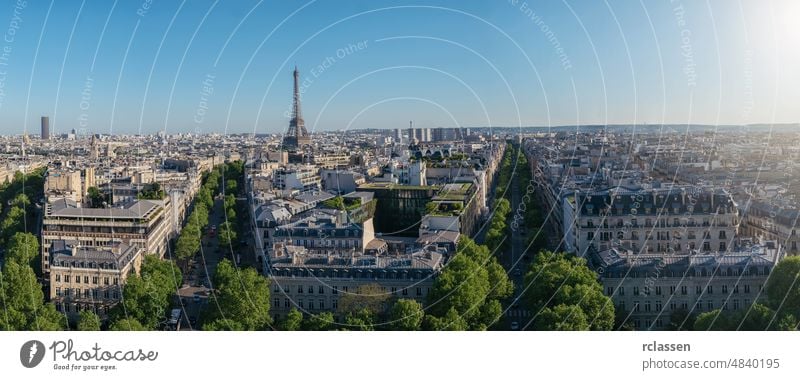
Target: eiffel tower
297	136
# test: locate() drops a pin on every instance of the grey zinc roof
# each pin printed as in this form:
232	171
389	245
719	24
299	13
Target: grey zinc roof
136	210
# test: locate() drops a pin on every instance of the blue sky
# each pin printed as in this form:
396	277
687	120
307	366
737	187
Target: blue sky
208	66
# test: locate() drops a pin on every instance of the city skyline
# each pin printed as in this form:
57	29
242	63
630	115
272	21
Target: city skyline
223	67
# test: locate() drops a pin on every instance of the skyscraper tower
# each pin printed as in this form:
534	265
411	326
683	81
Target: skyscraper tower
297	135
45	128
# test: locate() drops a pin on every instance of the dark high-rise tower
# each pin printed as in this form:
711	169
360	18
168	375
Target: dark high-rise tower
297	135
45	128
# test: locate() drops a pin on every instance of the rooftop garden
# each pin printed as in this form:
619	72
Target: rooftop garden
444	208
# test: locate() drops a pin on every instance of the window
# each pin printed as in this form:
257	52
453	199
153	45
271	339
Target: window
322	304
609	291
636	306
58	278
683	290
710	289
672	305
710	305
684	305
300	289
621	291
658	305
747	288
658	290
58	292
276	288
311	305
95	280
310	289
105	281
77	279
335	290
698	289
636	290
735	304
286	303
321	289
724	289
735	289
300	303
419	291
405	291
335	304
622	305
277	303
85	279
646	306
671	290
722	247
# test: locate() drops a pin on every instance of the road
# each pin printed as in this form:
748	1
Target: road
197	281
513	260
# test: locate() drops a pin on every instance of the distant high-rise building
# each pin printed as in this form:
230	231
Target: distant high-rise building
45	128
297	136
447	134
398	135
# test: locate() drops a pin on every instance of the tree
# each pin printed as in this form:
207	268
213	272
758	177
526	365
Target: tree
188	243
227	234
756	318
561	317
783	287
370	297
88	321
23	248
555	279
230	186
472	284
243	296
406	315
223	324
205	198
154	192
13	223
681	320
127	324
319	322
711	320
22	301
293	320
96	197
146	297
450	321
362	320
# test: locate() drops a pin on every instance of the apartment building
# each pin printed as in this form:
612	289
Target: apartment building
674	220
90	278
143	224
647	288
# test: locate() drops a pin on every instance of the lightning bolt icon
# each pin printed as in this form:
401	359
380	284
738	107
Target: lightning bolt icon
34	348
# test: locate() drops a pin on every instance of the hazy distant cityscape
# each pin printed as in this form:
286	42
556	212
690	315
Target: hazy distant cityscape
661	227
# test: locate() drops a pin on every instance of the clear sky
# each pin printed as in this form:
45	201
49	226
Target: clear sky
225	66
